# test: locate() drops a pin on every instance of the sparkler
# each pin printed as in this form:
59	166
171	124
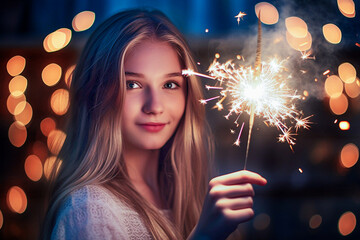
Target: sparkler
258	91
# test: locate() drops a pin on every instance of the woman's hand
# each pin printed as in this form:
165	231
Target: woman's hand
229	202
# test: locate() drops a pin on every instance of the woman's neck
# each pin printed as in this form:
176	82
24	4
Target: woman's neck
142	165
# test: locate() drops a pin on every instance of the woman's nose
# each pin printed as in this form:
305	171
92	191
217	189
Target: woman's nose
153	103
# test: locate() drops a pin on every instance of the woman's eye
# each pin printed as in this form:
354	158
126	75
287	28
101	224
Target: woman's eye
171	85
132	85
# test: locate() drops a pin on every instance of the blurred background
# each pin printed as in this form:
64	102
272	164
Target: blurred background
313	191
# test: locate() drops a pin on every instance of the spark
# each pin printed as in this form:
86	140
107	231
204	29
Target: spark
266	95
304	123
240	16
326	72
237	142
357	44
300	170
306	55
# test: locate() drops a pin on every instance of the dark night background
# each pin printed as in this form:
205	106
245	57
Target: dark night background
285	206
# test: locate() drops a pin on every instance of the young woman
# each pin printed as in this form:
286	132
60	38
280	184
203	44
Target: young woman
134	164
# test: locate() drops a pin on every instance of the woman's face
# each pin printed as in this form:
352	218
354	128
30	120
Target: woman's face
155	95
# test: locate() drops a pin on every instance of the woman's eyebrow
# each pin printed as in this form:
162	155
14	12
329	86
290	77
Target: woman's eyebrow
174	74
132	74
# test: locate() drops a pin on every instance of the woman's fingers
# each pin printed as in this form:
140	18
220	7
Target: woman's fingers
238	177
239	216
234	203
232	191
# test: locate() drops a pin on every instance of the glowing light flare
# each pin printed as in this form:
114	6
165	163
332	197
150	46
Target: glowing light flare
344	125
240	16
16	199
18	85
349	155
268	13
83	21
217	55
68	75
261	221
33	168
300	170
51	74
59	101
346	223
268	93
47	125
13	102
299	44
25	115
306	93
315	221
17	134
334	86
296	27
57	40
332	33
326	72
55	141
347	8
347	72
352	89
16	65
49	166
339	105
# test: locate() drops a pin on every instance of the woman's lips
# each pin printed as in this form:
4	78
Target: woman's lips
152	127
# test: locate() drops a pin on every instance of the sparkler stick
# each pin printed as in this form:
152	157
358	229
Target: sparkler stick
257	67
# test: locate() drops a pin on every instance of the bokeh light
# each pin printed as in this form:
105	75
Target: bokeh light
333	86
296	27
299	44
261	221
25	115
268	13
339	105
57	40
33	168
332	33
344	125
55	141
16	199
69	75
16	65
315	221
347	8
1	219
49	165
347	72
13	102
18	85
347	223
17	134
349	155
51	74
47	125
83	21
352	89
59	101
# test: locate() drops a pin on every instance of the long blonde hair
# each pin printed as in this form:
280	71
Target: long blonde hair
92	151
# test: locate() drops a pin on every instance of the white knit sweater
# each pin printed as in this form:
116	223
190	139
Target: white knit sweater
93	212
